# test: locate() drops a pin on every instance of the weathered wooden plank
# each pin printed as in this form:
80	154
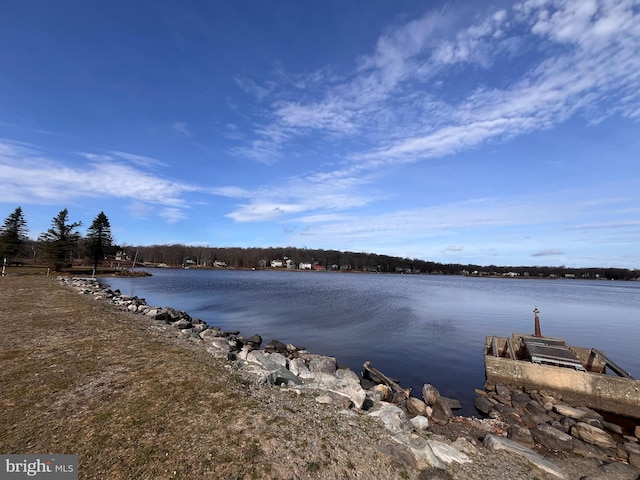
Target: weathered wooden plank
512	353
613	366
386	380
494	347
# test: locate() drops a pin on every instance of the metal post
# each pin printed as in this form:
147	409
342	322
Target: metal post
4	266
537	332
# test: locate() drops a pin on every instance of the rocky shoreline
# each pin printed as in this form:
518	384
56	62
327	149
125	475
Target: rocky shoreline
523	423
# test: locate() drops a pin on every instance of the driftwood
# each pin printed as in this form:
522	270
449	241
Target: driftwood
368	368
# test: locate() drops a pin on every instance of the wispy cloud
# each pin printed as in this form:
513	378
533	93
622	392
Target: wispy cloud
588	53
31	177
314	192
548	253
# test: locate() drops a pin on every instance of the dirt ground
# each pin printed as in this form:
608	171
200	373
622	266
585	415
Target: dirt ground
134	401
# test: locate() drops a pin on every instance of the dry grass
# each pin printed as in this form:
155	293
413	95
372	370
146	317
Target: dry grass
134	401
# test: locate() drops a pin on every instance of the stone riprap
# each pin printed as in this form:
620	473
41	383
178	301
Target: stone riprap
527	419
542	418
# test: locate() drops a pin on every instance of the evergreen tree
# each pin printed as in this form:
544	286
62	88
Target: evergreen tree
13	234
99	238
61	239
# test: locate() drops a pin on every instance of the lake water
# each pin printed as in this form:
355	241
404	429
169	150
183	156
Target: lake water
416	328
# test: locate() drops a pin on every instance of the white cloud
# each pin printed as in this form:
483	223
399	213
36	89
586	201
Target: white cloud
588	60
29	177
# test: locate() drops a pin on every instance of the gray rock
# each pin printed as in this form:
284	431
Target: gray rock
269	371
446	453
211	333
441	412
616	471
588	450
521	435
495	442
279	359
393	418
277	346
322	364
531	419
633	449
636	432
429	394
590	413
483	404
421	450
465	446
569	411
399	455
519	397
254	341
503	391
299	367
344	382
552	438
594	435
415	406
218	347
181	324
614	427
536	409
420	423
453	403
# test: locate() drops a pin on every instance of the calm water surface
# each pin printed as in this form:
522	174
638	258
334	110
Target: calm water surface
416	328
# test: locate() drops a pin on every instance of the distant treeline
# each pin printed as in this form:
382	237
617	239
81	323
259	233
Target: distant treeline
292	257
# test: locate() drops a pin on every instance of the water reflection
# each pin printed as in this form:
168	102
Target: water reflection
417	329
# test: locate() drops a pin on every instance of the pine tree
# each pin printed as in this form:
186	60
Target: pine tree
13	234
61	239
99	238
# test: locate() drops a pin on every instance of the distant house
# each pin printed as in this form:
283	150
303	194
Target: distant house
290	264
121	256
305	266
276	264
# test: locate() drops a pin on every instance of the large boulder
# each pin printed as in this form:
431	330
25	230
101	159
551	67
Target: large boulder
269	371
594	435
441	412
569	411
343	382
496	442
447	453
322	364
393	418
299	367
429	394
483	404
421	451
415	406
521	435
552	438
217	346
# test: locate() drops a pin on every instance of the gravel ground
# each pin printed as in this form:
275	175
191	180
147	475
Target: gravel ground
134	401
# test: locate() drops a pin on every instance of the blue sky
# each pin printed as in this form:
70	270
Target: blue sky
503	133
